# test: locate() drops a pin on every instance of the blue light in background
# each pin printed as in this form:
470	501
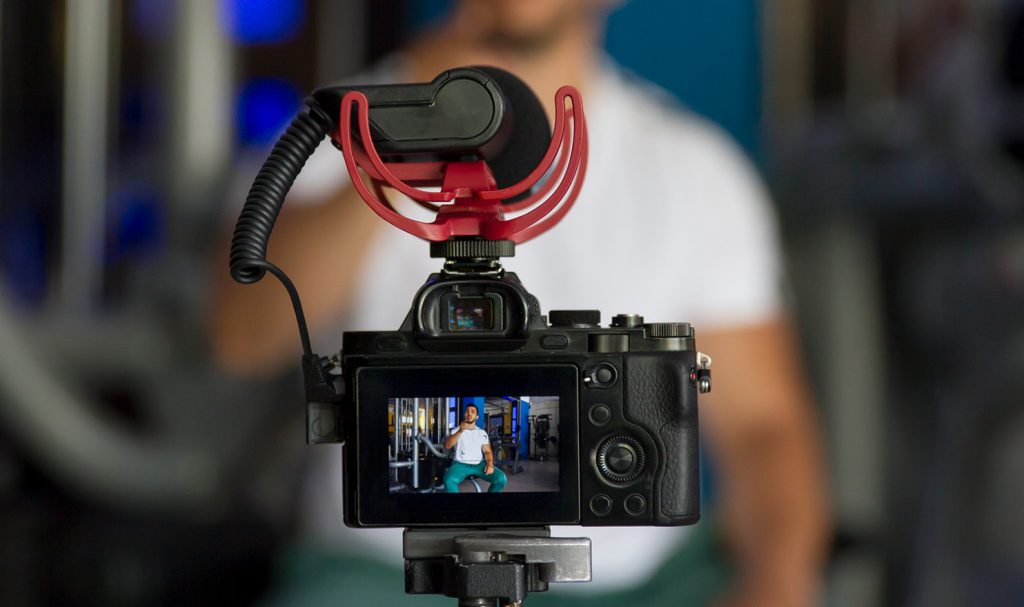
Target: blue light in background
263	109
23	270
262	21
423	13
152	18
705	52
136	223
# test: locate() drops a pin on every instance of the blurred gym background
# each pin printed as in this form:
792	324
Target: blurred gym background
891	132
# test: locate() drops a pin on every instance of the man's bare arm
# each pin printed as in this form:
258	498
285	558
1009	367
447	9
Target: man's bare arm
489	458
763	433
320	247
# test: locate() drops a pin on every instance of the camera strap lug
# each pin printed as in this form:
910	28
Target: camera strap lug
703	373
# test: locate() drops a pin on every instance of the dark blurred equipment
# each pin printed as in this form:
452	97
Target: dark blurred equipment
966	543
58	551
131	472
895	146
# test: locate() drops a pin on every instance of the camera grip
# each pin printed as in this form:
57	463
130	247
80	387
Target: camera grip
661	400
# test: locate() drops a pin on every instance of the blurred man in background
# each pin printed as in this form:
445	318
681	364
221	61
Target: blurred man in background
664	191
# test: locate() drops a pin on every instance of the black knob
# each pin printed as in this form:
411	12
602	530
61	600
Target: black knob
601	504
669	329
636	504
601	375
620	459
627	321
472	248
600	414
574	318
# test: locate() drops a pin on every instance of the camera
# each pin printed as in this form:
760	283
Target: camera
480	411
623	398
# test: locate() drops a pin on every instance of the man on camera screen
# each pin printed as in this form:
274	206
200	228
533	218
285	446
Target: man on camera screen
473	456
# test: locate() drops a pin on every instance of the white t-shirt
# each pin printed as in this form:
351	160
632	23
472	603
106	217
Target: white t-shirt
469	448
672	223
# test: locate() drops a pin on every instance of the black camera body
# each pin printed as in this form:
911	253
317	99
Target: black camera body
626	398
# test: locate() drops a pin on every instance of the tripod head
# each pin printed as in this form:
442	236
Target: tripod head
490	568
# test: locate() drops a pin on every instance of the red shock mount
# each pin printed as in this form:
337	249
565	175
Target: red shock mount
469	204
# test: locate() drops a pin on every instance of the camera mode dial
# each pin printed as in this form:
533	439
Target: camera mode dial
621	459
669	329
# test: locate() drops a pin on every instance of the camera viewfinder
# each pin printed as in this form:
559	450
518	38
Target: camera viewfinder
472	314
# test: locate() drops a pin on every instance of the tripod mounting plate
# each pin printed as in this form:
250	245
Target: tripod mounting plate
491	565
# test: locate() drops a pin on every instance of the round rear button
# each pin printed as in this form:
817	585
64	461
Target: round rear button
600	414
636	504
601	504
601	375
620	459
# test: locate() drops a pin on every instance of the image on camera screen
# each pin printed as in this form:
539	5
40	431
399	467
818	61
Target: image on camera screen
471	314
473	444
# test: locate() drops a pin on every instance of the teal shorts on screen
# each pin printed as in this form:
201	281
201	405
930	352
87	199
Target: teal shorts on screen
458	472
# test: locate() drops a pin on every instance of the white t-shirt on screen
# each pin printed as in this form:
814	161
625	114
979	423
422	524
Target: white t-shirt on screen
469	448
672	223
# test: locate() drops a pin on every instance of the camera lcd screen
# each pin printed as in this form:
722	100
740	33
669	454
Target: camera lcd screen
398	462
471	314
473	444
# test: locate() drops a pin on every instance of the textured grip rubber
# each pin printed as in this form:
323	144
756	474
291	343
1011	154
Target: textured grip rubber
660	398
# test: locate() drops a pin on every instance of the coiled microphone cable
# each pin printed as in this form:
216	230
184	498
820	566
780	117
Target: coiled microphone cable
248	262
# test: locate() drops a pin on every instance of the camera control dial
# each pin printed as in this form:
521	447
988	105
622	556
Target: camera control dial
621	459
669	329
